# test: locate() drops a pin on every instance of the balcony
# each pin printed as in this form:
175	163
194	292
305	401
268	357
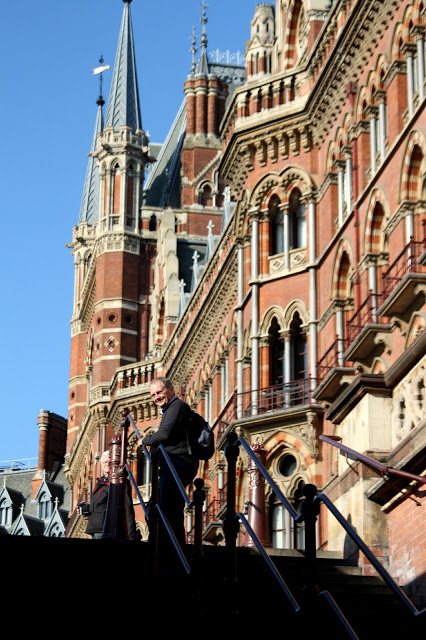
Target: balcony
404	281
367	332
332	373
274	398
266	401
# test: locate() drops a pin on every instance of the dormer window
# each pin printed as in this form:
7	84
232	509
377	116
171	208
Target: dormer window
5	513
44	506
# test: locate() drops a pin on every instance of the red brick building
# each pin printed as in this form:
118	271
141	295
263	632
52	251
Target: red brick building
304	314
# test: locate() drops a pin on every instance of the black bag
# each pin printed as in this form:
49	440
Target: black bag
200	437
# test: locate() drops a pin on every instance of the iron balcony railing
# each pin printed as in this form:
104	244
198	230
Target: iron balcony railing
366	314
405	263
332	358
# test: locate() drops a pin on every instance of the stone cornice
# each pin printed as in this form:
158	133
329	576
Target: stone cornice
319	111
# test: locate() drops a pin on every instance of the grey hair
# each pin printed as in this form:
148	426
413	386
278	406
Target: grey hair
164	381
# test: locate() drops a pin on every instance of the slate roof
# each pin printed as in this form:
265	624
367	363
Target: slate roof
89	210
123	104
19	485
163	185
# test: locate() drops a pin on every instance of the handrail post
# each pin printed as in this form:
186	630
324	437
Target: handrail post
198	497
115	522
231	525
309	512
153	513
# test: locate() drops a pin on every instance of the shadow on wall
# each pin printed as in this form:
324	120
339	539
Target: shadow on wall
350	549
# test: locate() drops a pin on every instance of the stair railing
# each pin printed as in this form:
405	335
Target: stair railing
308	515
309	511
154	513
384	469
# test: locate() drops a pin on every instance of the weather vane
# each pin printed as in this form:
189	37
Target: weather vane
99	71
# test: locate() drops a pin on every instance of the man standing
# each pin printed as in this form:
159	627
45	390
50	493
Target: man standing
172	434
96	510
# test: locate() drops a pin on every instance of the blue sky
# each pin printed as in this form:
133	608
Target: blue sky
48	50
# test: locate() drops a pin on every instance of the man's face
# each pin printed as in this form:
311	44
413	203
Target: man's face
105	465
160	394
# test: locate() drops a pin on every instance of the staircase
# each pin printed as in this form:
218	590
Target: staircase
107	586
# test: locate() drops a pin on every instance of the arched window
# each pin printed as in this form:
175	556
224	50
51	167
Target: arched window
276	354
298	220
414	173
276	226
286	533
153	222
206	198
299	349
5	513
143	470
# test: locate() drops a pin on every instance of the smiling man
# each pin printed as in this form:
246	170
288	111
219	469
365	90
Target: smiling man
172	434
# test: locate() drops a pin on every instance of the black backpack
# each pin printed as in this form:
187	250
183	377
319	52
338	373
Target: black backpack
200	437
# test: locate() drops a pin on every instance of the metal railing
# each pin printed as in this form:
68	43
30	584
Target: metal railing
310	508
405	263
265	400
382	468
155	514
366	314
23	464
331	359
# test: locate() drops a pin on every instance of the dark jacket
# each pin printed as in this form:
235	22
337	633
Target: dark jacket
98	505
172	432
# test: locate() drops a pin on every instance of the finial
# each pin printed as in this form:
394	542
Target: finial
99	71
193	50
203	21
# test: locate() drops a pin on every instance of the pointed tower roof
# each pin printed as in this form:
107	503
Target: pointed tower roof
89	210
123	104
203	65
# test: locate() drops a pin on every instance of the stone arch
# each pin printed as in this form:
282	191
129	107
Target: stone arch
205	193
268	186
330	157
284	441
296	306
274	311
342	271
295	177
410	19
413	167
400	36
290	50
377	214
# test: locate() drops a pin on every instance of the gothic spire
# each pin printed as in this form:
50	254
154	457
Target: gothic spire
89	210
203	66
123	104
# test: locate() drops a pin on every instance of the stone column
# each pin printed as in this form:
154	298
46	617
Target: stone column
257	515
